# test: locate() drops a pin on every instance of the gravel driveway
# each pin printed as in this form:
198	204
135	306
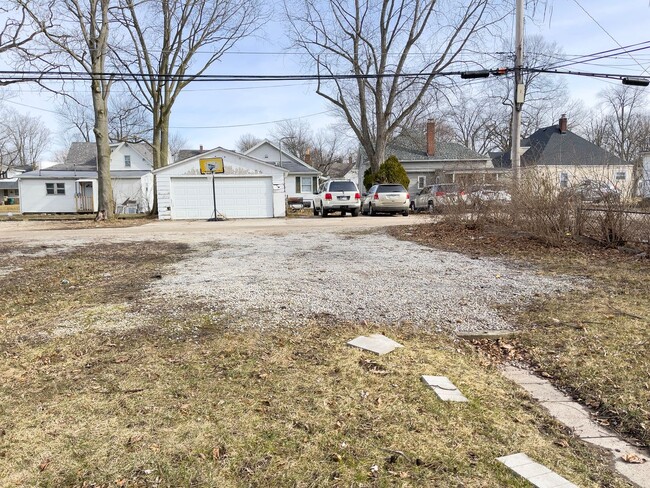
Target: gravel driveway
268	280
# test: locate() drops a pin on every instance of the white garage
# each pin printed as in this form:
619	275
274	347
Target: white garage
235	196
248	188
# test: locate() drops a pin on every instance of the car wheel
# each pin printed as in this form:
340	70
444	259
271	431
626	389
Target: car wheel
323	212
343	212
430	207
405	213
371	210
412	207
315	210
355	212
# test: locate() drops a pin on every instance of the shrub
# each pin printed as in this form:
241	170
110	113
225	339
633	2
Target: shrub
390	171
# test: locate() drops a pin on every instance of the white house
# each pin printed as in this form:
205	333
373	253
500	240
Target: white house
71	187
644	180
301	179
248	188
9	182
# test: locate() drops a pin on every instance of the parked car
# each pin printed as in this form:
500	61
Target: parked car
594	192
337	196
487	193
388	198
433	196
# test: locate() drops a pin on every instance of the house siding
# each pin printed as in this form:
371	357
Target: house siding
576	174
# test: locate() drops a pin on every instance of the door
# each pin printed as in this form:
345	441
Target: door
84	196
236	197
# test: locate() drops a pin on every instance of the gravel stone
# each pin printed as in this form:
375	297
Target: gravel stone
270	280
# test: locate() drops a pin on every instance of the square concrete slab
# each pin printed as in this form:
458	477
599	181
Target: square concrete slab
444	388
376	343
537	474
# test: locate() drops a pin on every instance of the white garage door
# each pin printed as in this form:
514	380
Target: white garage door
238	197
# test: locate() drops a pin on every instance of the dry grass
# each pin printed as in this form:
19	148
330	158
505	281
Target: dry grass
594	343
183	400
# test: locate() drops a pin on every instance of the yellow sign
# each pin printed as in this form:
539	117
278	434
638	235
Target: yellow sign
211	165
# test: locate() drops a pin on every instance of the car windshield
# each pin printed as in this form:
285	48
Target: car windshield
390	189
342	186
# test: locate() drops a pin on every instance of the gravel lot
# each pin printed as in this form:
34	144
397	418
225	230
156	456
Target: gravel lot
284	271
267	280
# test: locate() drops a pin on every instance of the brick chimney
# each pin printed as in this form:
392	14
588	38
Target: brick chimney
201	148
308	156
431	137
563	124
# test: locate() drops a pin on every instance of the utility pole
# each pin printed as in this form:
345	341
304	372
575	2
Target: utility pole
519	92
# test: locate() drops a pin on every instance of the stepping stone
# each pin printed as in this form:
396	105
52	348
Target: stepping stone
444	388
377	343
537	474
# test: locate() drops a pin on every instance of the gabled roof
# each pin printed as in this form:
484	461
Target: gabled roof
410	146
214	151
188	153
293	163
550	147
82	156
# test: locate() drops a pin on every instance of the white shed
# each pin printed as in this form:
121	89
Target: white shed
248	188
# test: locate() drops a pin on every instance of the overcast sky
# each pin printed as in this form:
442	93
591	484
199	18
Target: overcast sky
212	114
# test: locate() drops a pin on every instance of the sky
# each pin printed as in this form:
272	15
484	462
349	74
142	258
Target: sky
217	114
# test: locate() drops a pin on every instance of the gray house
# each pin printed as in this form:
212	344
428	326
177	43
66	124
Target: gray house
428	161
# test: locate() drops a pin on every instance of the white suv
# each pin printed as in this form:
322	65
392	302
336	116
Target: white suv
337	196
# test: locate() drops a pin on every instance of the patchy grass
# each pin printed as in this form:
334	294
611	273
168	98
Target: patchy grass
183	400
596	343
10	208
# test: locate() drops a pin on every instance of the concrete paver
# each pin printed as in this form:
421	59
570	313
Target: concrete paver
578	418
444	388
376	343
536	473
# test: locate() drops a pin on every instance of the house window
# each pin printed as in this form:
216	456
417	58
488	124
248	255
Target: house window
127	161
422	182
55	188
304	184
621	175
564	180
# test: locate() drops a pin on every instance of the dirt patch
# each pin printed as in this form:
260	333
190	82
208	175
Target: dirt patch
60	290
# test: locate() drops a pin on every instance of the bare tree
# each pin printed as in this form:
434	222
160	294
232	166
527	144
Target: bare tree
247	141
296	137
625	109
79	37
327	150
177	142
127	119
24	139
17	30
164	37
379	42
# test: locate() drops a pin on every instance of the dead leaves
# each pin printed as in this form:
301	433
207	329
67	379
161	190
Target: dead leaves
633	458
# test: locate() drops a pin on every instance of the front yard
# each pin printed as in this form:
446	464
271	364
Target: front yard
102	384
595	344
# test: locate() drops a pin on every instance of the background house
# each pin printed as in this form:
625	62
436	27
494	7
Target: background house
9	192
248	188
566	159
428	161
71	187
301	178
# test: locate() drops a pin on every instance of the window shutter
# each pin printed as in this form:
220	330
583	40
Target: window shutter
297	184
314	183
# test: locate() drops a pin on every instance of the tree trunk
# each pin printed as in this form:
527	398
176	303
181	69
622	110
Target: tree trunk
100	129
164	138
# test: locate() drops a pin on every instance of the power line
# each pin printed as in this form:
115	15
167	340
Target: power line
252	124
608	34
